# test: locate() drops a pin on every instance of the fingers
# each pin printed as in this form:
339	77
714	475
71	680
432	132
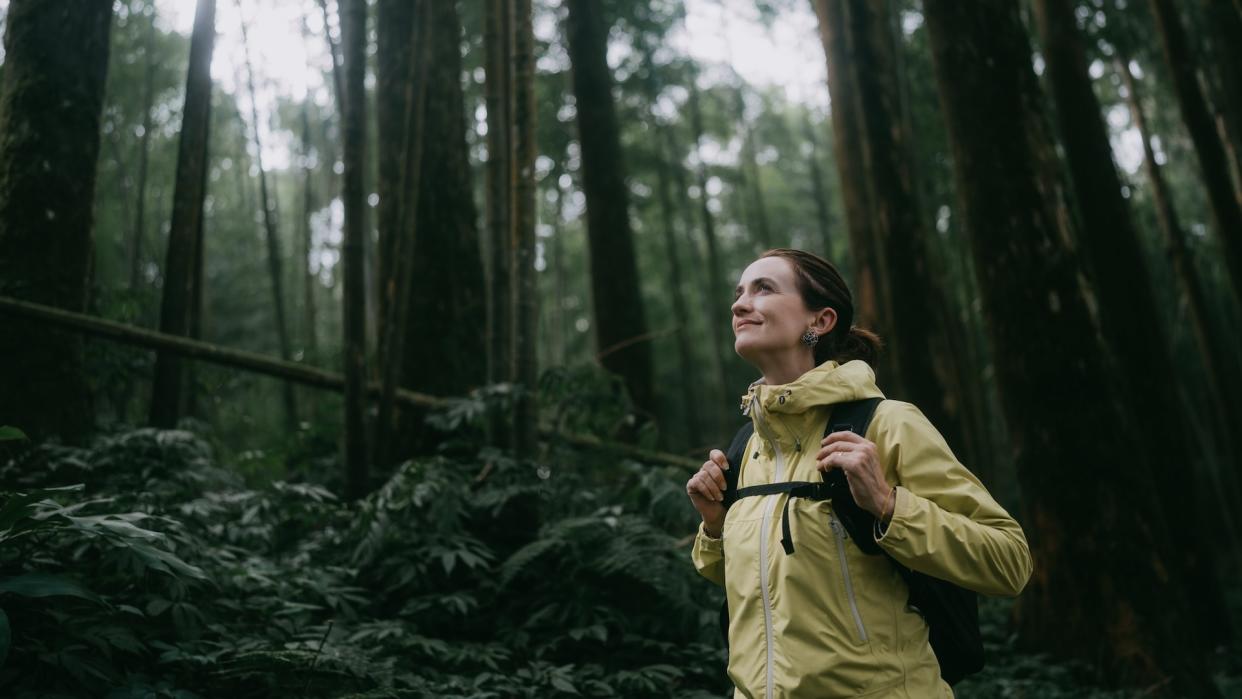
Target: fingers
718	457
843	436
704	486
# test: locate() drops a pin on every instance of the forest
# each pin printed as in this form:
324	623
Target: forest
363	348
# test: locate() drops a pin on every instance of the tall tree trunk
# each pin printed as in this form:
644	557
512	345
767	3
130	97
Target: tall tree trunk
144	151
526	288
275	261
749	170
1126	297
189	190
1088	490
819	190
919	345
676	278
620	321
354	41
1225	27
871	305
51	103
1216	359
716	291
394	21
445	281
311	337
500	322
1226	209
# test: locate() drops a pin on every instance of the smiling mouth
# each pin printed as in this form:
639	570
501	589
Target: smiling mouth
745	323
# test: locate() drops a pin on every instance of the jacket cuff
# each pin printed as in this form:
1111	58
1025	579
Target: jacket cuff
706	543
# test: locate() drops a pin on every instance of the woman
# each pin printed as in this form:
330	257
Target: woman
832	621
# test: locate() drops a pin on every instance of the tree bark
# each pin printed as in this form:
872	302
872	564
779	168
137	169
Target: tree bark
189	189
354	41
51	104
446	290
919	345
1088	490
1226	209
1216	359
275	262
526	289
1126	297
620	321
871	305
498	35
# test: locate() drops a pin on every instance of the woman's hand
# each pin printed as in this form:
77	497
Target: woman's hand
857	457
706	490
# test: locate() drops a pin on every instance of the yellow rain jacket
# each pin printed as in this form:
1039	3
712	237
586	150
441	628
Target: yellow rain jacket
829	620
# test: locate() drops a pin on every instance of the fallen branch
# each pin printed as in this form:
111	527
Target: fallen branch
278	368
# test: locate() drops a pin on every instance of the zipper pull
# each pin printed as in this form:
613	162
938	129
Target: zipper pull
837	527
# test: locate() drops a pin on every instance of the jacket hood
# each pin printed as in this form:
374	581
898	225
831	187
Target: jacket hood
826	384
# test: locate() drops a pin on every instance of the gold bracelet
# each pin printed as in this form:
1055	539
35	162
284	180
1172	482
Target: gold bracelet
884	508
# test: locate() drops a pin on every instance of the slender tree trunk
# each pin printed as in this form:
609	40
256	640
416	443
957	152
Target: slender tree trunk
1216	359
526	289
500	322
1225	26
51	104
716	303
354	40
144	150
311	337
1126	297
1089	494
871	306
394	20
749	170
676	278
620	321
274	257
819	191
189	190
193	407
558	272
1226	209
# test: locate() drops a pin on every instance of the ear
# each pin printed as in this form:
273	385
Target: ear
824	321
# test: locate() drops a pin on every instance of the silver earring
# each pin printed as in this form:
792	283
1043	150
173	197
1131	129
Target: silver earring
809	338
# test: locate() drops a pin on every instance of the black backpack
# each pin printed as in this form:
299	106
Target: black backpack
951	611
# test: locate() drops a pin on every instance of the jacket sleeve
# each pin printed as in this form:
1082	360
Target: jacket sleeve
945	523
708	557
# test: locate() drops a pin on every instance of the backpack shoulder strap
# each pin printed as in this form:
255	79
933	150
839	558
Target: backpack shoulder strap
852	416
737	451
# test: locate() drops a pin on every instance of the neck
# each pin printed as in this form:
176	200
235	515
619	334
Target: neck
784	369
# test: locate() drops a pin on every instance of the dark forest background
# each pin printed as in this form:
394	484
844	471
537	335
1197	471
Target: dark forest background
388	384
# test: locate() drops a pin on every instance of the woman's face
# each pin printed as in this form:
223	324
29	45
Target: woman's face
769	315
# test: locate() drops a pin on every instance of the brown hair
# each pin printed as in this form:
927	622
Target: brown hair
821	286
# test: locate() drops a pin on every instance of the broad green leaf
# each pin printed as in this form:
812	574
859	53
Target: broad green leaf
47	585
8	433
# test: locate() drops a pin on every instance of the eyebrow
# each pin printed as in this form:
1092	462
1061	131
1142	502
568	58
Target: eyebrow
738	291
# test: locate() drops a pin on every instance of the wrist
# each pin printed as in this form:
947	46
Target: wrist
888	506
712	531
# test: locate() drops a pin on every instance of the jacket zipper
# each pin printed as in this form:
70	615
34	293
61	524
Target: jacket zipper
839	531
763	567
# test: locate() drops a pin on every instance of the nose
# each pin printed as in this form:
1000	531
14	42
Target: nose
741	304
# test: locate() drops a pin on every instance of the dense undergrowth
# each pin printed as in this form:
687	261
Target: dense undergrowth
141	567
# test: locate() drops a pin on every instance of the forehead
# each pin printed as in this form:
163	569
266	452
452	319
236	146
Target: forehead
776	268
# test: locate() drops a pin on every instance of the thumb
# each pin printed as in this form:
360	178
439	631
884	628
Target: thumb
719	458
